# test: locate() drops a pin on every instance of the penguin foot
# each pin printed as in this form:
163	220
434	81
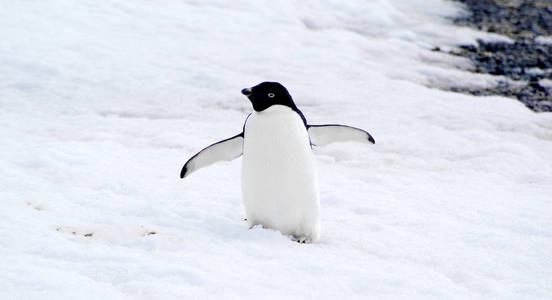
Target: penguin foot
302	240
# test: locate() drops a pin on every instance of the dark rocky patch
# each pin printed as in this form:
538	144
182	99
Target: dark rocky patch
518	19
524	60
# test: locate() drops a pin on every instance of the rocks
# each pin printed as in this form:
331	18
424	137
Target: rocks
522	19
525	60
517	61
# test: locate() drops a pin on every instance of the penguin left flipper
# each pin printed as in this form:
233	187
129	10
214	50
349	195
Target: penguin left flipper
227	149
321	135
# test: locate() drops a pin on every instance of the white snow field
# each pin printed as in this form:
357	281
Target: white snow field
102	102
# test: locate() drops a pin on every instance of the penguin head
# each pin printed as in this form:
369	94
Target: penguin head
266	94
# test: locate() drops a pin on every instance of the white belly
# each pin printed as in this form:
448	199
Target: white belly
279	184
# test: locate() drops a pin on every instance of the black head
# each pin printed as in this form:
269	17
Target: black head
266	94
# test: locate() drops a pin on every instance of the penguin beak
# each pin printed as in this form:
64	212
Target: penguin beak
247	91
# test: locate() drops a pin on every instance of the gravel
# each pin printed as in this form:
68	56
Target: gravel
527	61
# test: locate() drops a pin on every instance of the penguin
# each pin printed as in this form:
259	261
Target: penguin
279	184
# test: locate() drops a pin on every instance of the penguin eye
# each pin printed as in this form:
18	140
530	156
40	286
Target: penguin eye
270	95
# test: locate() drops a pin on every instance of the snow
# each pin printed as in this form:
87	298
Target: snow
544	39
546	83
103	101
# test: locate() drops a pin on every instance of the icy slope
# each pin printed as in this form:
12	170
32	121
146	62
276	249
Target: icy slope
103	101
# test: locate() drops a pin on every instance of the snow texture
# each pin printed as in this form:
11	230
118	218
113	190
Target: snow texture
103	101
544	39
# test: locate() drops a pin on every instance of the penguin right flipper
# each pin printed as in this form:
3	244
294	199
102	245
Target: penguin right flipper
227	149
321	135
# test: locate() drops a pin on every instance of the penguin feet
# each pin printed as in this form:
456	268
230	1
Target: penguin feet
302	239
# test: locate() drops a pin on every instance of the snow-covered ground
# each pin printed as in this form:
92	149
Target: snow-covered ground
101	102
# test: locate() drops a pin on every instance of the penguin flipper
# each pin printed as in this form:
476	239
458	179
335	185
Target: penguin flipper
227	149
321	135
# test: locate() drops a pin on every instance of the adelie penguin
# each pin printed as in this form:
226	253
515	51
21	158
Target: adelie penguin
279	186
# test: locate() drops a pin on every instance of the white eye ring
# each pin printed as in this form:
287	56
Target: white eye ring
270	95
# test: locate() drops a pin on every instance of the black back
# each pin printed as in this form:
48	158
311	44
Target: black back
266	94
